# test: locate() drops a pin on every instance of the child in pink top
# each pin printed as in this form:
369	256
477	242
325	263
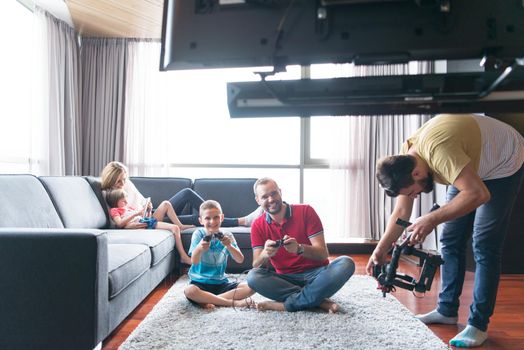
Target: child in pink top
124	215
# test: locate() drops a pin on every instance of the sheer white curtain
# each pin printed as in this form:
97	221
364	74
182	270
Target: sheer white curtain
56	138
359	208
146	141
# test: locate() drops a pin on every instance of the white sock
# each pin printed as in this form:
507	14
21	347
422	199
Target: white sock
469	337
253	215
436	317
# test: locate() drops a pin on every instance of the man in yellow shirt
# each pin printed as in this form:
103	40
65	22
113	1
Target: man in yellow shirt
481	160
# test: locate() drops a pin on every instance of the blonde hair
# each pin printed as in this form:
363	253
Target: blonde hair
113	196
209	204
110	174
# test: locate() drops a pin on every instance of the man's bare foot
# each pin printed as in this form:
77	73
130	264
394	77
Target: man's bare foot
248	302
330	306
207	306
270	305
185	227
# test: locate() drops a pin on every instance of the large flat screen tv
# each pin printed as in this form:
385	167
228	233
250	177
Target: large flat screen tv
243	33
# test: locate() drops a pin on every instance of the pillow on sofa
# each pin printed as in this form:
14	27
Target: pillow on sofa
25	203
75	201
234	195
160	188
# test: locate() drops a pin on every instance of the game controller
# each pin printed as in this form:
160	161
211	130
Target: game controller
278	243
219	235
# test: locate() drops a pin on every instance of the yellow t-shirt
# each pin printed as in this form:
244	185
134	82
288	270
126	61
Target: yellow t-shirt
447	143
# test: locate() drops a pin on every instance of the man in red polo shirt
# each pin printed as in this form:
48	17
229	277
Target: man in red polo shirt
291	237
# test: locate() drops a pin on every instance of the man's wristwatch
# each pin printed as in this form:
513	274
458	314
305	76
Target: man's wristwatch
300	249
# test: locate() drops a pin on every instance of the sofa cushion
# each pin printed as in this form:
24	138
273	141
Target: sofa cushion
160	188
75	201
160	242
127	262
25	203
234	195
96	186
242	236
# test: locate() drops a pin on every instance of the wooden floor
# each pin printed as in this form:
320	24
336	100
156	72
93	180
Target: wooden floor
506	329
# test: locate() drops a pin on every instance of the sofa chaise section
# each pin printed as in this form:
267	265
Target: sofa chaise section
53	289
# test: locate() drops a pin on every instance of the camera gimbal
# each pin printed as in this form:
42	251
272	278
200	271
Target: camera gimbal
388	277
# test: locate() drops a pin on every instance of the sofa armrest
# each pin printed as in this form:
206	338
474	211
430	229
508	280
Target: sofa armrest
53	288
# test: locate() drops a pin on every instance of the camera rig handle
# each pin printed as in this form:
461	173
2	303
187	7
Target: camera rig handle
387	275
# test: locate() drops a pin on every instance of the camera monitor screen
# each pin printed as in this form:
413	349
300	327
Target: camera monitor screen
249	33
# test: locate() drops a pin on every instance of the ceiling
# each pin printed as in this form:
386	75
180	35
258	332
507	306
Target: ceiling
117	18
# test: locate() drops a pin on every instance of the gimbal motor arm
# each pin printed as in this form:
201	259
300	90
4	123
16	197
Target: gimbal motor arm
387	275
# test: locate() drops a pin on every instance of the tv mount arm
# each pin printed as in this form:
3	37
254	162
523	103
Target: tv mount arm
387	275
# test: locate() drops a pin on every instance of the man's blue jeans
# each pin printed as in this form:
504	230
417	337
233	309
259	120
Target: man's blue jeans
490	223
299	291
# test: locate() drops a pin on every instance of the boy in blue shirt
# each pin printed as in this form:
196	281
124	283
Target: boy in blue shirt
210	248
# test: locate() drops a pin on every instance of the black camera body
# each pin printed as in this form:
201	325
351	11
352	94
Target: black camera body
387	275
219	235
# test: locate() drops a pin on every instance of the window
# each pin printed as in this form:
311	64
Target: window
199	103
201	140
16	28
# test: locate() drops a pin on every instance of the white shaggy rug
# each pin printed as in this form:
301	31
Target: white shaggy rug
366	321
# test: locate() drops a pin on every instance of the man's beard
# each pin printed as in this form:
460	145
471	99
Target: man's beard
427	184
276	209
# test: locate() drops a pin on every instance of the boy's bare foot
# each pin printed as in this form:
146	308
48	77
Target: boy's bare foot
185	227
270	305
207	306
330	306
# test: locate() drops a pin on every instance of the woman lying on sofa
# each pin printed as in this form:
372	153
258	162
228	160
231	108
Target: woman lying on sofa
116	175
124	215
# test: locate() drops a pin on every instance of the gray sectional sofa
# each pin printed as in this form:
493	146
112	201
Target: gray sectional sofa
68	279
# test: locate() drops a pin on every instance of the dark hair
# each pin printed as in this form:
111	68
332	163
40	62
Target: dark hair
394	173
113	196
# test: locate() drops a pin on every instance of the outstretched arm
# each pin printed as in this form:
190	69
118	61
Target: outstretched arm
402	210
472	194
202	247
262	255
235	252
317	250
125	223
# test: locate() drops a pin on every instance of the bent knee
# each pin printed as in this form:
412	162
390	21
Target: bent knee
253	276
190	291
166	204
346	264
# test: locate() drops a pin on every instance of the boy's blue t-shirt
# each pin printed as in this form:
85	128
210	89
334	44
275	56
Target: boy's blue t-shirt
212	266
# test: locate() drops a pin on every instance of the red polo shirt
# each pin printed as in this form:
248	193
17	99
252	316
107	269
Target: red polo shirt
300	222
